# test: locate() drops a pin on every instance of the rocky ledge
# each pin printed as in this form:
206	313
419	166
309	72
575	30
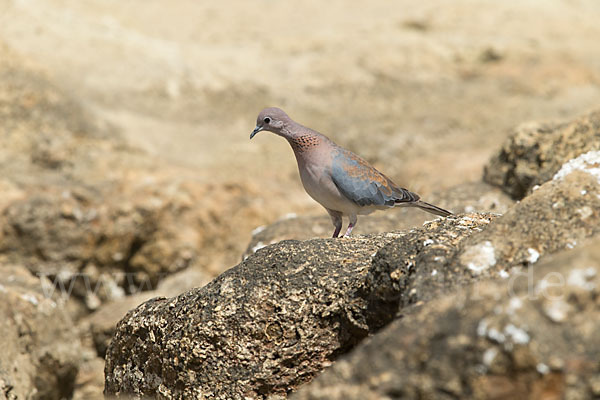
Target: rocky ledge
476	305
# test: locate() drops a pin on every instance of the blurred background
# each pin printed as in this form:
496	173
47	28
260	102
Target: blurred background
141	108
424	90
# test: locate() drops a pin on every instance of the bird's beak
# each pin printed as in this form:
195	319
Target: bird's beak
255	131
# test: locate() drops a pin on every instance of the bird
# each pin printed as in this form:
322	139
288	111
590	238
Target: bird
342	182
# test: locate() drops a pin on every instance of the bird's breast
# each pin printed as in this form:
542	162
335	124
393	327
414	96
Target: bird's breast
317	182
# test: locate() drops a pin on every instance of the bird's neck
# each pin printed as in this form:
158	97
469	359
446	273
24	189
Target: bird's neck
302	139
304	143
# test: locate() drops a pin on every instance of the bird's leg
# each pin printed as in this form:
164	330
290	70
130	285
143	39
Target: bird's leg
351	225
336	218
337	230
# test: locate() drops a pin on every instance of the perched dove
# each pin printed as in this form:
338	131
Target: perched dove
341	181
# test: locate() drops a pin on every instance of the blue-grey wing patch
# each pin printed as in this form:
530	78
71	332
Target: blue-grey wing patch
363	184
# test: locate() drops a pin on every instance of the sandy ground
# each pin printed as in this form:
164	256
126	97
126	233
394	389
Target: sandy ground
424	90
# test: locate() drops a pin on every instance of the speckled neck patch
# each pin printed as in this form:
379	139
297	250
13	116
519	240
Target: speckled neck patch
304	142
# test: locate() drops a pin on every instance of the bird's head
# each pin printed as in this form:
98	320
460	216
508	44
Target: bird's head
271	119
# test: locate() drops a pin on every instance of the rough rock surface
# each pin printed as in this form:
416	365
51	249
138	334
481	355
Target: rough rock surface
102	323
534	335
246	316
39	349
261	328
536	151
560	214
496	339
97	329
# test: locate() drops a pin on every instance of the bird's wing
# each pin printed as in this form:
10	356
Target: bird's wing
358	181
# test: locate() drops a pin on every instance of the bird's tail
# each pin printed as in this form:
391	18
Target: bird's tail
430	208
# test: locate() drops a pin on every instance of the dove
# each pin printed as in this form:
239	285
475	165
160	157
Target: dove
341	181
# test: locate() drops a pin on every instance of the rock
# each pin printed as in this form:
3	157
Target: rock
418	268
90	380
421	265
266	325
39	350
263	327
469	197
102	323
97	252
435	349
560	214
485	341
387	277
536	151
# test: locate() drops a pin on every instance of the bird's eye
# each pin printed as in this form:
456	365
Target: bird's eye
267	120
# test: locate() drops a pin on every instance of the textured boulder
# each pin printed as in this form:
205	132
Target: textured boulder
102	324
559	215
536	151
97	250
281	316
492	339
99	327
39	349
261	328
534	335
556	216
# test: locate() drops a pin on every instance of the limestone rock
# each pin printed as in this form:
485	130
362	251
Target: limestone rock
558	215
39	350
536	151
265	326
533	335
277	319
262	328
102	323
416	269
